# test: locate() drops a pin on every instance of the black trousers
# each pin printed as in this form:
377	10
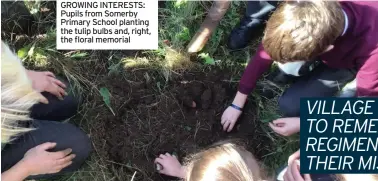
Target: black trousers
259	11
323	81
49	129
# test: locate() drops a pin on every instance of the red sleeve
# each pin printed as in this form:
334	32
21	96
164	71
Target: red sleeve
259	64
367	77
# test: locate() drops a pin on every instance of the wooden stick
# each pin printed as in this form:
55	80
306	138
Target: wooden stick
215	14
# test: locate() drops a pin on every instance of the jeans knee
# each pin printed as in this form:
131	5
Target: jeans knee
71	104
288	107
81	147
56	110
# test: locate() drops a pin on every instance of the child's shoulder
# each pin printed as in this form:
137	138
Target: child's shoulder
363	18
371	6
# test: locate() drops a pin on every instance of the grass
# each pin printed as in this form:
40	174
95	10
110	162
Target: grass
178	22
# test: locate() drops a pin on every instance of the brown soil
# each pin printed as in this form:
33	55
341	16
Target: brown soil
154	117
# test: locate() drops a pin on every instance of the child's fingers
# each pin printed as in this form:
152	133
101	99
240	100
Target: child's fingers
62	92
55	90
282	130
167	154
225	125
289	174
271	125
162	156
279	121
46	146
58	82
61	154
43	99
275	128
50	74
159	160
159	167
194	105
298	163
64	165
294	157
276	121
66	159
286	176
295	172
223	119
307	177
231	126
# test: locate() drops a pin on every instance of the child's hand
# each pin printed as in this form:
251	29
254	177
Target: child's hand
286	126
229	118
39	160
46	81
170	166
293	173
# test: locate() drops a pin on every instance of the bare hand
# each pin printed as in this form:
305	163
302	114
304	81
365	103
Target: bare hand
294	156
170	166
46	81
40	161
229	118
293	173
285	126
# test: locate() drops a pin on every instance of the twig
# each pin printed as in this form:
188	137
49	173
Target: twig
133	176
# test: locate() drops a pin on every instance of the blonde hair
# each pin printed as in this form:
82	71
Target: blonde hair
302	30
223	163
353	177
17	95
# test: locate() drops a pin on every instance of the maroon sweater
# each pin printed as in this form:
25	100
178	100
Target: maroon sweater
357	48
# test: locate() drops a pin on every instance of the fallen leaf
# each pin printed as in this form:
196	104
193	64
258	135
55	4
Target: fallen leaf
23	52
106	97
207	58
79	55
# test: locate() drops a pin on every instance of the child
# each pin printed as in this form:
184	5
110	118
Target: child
343	35
227	161
222	162
40	148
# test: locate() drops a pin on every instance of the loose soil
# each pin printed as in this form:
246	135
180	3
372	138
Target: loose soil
154	116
